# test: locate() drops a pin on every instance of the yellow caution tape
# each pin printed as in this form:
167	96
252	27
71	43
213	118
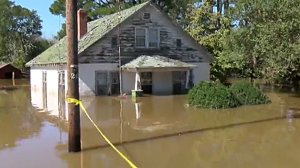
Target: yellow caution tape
78	102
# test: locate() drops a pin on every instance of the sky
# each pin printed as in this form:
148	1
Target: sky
51	23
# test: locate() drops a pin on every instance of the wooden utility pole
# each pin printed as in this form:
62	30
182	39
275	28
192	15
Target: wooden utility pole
72	69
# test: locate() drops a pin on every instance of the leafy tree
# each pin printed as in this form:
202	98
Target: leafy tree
95	9
265	42
210	29
98	8
19	29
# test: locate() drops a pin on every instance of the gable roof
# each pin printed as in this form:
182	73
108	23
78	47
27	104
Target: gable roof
96	30
155	61
3	65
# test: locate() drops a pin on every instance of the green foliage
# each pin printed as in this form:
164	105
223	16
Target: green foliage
211	95
95	9
265	42
210	29
19	29
99	8
215	95
247	94
251	38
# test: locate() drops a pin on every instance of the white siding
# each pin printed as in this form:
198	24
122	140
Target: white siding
36	81
128	81
36	84
201	72
87	76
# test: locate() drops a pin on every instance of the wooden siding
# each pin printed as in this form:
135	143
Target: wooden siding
7	70
104	52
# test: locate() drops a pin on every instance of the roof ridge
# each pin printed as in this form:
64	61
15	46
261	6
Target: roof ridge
98	28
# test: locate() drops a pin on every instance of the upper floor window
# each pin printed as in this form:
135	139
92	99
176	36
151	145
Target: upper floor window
148	38
147	16
140	37
153	38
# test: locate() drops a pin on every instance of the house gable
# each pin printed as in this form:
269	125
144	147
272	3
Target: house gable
173	41
96	46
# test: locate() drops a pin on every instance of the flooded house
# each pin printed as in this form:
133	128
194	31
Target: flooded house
8	71
155	54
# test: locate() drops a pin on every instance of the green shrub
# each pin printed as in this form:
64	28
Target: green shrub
211	95
247	94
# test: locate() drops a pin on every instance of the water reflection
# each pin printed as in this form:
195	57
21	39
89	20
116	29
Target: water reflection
17	120
153	131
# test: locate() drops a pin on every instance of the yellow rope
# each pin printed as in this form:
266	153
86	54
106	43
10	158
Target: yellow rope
78	102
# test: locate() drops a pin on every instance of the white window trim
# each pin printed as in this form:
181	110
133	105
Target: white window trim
146	37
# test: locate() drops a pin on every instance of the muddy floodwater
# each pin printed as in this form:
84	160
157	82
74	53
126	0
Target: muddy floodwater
154	132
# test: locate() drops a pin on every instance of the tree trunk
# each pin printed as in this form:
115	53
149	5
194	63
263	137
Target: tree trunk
226	6
219	6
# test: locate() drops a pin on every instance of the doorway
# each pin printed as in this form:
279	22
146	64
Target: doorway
179	82
146	82
107	83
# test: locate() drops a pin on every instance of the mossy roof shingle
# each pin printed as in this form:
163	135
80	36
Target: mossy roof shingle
96	30
155	61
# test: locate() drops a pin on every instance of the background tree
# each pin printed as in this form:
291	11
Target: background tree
19	28
95	9
210	28
265	41
98	8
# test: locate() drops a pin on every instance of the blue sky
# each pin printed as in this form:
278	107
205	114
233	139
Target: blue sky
51	23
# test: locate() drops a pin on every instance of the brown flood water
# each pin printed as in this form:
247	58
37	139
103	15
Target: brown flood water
156	132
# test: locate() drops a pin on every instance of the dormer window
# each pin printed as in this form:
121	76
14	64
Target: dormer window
147	16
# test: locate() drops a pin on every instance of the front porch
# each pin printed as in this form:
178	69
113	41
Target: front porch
159	75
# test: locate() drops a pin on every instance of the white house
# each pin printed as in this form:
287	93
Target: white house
156	55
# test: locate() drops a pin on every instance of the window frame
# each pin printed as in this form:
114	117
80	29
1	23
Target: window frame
135	38
145	15
147	30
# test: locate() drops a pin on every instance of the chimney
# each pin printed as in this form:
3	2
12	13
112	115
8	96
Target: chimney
82	23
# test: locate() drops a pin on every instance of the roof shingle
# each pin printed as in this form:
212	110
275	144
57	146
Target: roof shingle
155	61
96	30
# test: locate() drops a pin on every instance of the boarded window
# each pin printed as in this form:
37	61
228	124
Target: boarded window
147	16
114	42
178	43
153	38
140	37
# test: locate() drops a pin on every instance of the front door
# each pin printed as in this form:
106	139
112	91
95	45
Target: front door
146	82
179	81
107	83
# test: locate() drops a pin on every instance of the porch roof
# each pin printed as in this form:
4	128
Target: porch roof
156	63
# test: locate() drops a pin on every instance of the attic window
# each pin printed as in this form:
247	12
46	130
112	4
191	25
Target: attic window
178	43
147	16
114	42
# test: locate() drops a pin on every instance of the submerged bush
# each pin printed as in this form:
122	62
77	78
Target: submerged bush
247	94
211	95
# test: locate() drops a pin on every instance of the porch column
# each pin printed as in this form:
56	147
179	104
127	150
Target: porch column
187	79
137	85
